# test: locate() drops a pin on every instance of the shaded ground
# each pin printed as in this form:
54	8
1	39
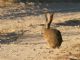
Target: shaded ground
31	9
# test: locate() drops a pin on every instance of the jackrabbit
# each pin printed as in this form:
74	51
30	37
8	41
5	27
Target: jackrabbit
52	36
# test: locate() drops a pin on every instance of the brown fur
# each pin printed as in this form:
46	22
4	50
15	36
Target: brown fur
52	36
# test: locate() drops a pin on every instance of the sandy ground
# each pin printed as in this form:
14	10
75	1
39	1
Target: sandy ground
29	43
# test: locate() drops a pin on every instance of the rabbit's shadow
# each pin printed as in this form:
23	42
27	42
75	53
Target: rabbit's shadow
73	22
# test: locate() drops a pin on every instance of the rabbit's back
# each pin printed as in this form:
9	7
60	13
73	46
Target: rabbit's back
53	37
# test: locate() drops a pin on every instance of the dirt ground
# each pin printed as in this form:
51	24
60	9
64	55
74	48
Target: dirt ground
21	29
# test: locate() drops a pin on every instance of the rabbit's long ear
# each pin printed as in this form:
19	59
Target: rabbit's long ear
51	18
46	17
